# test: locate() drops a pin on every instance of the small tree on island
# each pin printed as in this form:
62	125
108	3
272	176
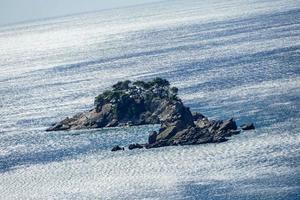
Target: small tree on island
121	85
141	84
159	82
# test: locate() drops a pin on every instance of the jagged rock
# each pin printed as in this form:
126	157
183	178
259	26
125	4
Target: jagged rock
126	104
152	102
203	131
228	125
113	123
135	146
152	137
117	148
247	126
167	133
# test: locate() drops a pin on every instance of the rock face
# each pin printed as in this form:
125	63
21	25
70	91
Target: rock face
152	137
153	102
203	131
127	103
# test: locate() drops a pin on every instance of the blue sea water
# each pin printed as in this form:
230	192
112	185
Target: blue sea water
235	58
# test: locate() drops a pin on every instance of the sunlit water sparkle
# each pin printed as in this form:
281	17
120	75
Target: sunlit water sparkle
228	58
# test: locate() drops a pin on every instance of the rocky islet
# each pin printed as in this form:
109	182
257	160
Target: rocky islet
152	102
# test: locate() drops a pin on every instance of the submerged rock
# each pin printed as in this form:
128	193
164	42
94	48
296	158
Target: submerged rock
117	148
153	102
247	126
135	146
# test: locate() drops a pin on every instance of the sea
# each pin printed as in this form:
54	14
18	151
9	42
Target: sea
233	58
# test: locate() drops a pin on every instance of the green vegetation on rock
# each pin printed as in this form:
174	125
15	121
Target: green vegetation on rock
151	102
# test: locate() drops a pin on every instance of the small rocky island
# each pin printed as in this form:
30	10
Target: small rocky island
153	102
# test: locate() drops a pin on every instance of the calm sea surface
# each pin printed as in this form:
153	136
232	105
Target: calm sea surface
235	58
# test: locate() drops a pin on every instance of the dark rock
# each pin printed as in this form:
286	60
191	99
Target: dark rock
63	125
228	125
220	139
203	131
247	126
130	104
113	123
135	146
152	102
152	137
117	148
167	133
215	125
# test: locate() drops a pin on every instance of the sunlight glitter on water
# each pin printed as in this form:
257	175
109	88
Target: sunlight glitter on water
228	58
